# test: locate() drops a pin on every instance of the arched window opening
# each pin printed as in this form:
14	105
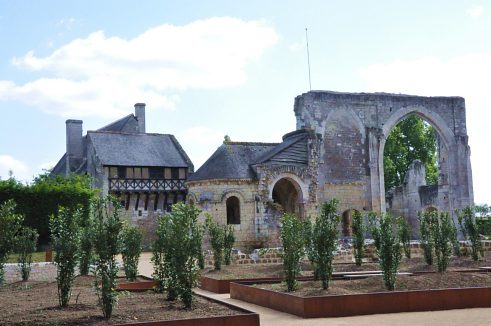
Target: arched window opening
285	194
233	210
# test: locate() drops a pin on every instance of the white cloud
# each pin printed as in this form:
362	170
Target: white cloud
468	76
475	11
101	75
202	142
20	170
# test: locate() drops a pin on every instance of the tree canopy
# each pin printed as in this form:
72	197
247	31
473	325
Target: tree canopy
410	139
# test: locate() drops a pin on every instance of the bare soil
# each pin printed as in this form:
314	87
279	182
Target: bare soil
36	303
375	284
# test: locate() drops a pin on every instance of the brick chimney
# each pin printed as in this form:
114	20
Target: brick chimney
140	116
74	145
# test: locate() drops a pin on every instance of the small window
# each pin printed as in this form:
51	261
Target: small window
129	173
182	173
113	172
138	173
175	173
167	174
121	172
156	173
144	173
233	210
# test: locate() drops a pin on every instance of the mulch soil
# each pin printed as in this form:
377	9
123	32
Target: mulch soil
276	270
375	284
36	303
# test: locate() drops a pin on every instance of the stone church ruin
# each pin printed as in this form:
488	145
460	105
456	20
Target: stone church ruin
336	152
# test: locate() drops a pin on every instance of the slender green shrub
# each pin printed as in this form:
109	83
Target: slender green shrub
427	242
405	236
180	236
217	241
107	226
10	223
64	237
442	231
389	252
325	234
373	228
158	259
85	248
358	237
470	229
26	242
308	237
293	249
131	248
165	269
228	244
455	240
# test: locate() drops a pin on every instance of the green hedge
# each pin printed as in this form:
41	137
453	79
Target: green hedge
38	200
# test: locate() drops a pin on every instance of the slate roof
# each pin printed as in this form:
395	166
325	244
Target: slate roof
232	160
289	140
118	125
129	149
60	167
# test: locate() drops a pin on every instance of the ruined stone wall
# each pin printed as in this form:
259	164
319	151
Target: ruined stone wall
355	126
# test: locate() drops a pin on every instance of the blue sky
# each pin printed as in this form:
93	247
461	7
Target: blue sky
210	68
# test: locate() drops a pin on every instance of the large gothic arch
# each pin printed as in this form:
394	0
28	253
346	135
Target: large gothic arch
378	114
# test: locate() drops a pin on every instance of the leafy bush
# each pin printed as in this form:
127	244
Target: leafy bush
427	242
324	234
373	227
41	199
26	242
85	248
308	237
217	241
455	240
131	250
405	236
470	229
10	223
228	244
359	237
442	230
293	248
177	251
64	234
107	226
389	252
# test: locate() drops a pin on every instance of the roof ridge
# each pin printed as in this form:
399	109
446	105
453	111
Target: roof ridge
115	122
250	143
127	133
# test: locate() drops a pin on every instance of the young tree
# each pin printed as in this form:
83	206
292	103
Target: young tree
228	244
26	242
455	240
442	231
217	240
409	140
64	235
469	227
325	234
181	236
130	250
425	224
293	248
359	237
10	223
85	247
389	252
405	236
107	226
308	237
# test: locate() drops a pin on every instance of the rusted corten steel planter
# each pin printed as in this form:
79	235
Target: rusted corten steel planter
223	286
147	284
245	318
364	304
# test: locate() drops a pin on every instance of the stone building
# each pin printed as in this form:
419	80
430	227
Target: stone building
146	171
336	152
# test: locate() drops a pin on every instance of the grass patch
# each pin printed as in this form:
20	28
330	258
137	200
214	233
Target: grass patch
37	257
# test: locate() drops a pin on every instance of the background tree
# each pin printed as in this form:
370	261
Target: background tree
10	223
131	248
389	251
293	248
410	139
25	245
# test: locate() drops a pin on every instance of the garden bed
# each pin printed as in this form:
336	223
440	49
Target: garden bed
37	303
219	281
424	292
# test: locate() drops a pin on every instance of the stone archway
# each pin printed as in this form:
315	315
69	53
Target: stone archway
287	193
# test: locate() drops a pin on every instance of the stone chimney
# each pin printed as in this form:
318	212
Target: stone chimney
74	145
140	116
